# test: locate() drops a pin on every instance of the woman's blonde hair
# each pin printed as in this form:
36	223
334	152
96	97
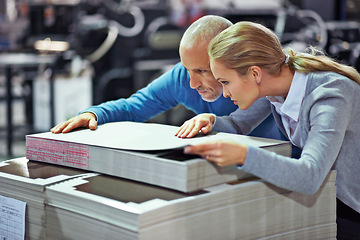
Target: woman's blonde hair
246	44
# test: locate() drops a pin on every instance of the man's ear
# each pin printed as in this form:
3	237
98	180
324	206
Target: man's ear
256	73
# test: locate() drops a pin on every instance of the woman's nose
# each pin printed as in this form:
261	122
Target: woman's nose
226	93
195	81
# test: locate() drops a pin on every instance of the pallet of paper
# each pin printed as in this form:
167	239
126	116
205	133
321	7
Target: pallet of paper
105	207
145	152
26	181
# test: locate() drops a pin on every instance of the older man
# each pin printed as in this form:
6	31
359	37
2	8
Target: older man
190	83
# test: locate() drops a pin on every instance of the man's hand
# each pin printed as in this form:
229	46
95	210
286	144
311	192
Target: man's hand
87	120
202	122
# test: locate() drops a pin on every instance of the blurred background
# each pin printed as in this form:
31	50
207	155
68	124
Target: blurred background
58	57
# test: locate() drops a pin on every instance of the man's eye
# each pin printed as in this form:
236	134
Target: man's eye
200	71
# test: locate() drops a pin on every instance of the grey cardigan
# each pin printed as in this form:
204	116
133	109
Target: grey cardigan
330	139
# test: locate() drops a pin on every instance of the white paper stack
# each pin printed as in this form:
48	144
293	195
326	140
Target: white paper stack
144	152
26	180
104	207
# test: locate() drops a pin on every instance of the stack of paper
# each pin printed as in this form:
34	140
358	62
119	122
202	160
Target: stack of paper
105	207
144	152
26	180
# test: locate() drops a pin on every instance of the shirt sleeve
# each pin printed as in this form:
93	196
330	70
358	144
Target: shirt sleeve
167	91
159	96
324	118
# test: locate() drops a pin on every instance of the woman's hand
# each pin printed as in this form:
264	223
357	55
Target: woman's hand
221	152
202	122
87	120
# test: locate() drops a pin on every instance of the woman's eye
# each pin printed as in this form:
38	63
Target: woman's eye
224	82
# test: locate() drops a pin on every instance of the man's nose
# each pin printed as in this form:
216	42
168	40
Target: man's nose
195	81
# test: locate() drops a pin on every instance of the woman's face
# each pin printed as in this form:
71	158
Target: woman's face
243	90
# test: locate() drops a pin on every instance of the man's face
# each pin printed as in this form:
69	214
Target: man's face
196	61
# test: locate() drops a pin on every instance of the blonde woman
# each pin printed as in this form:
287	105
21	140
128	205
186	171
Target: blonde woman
315	102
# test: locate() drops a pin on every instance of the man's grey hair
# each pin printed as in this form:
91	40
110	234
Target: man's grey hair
204	29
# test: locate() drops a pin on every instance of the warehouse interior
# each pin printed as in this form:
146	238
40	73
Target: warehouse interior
109	49
58	58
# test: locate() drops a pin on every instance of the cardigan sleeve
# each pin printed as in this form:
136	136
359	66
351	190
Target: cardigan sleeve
324	118
244	121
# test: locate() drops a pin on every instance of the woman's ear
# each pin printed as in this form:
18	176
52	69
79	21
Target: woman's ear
256	73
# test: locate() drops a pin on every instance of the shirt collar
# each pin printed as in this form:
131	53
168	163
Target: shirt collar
292	104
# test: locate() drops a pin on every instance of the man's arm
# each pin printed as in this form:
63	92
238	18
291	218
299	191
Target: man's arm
160	95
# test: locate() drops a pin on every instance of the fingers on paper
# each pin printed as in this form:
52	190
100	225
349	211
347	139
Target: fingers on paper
193	126
201	149
83	120
189	129
223	153
58	128
207	151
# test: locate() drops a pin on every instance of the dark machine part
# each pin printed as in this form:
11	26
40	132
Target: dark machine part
114	35
344	42
110	34
119	35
